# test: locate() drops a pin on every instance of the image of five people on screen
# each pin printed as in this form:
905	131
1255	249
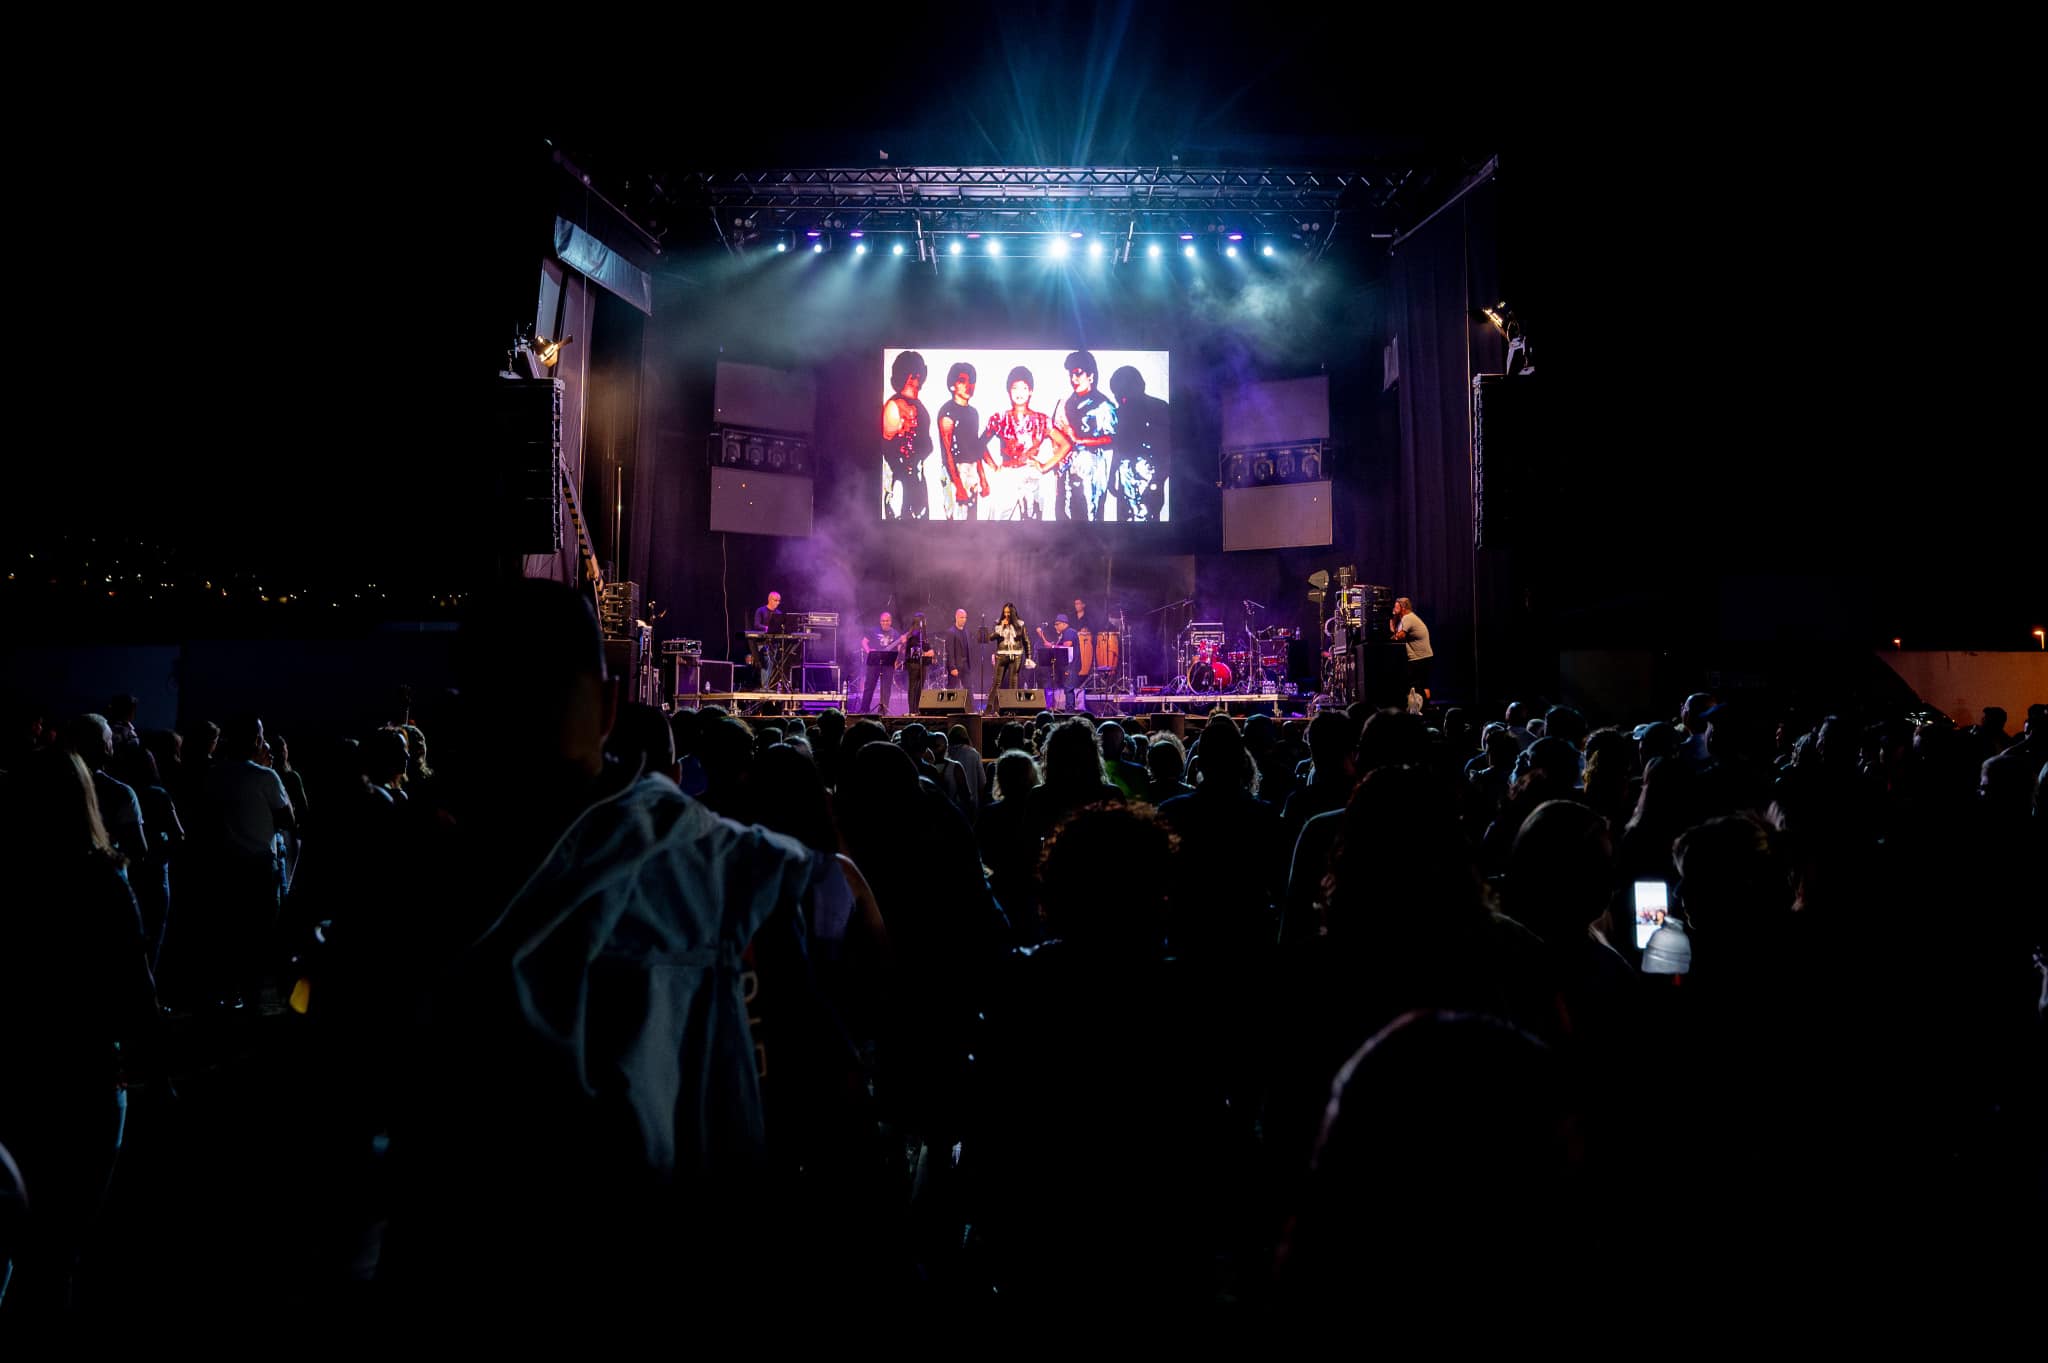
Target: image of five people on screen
1096	456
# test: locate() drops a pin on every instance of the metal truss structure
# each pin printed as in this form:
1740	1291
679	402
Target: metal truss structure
1116	206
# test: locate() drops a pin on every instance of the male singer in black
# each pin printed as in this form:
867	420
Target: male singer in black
906	441
880	648
917	654
959	652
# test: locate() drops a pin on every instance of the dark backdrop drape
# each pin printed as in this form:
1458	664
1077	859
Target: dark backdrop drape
1441	275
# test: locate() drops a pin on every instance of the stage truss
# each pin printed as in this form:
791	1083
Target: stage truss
1121	206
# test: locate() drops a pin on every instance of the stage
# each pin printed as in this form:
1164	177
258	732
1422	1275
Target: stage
774	703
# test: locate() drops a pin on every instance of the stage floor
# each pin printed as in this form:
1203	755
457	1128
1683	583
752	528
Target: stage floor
1103	707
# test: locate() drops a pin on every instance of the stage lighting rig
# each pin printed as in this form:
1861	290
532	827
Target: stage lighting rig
1521	359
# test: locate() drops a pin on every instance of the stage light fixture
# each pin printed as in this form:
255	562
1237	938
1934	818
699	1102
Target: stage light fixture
860	248
1095	250
1230	251
1187	236
1153	250
956	248
1236	236
1188	251
1269	251
1075	235
817	247
1058	249
856	233
548	352
1319	579
782	246
897	249
995	246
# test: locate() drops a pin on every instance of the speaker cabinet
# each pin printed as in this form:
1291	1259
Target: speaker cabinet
947	700
1021	699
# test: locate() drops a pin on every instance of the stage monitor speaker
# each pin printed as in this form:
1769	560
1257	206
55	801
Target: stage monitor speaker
1019	700
821	679
943	700
682	673
1175	723
522	474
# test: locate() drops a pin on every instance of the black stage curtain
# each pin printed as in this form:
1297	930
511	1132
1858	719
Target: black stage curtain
1440	275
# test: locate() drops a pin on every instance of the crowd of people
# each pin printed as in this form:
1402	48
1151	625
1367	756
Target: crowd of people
1368	1017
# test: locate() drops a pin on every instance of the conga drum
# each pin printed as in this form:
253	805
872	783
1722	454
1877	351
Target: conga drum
1108	650
1087	652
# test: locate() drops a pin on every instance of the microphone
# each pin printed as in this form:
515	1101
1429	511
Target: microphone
1253	606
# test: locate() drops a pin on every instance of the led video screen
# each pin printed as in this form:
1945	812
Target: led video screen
979	434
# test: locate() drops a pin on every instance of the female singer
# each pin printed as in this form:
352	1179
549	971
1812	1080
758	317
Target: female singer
1013	646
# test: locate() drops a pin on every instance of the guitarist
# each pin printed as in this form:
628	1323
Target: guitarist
881	647
1059	652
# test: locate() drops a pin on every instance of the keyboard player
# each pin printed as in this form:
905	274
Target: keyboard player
768	651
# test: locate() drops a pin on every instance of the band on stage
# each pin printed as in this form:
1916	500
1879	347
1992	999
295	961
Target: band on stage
1068	657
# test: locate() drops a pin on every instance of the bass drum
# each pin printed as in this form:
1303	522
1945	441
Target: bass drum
1087	658
1109	647
1209	677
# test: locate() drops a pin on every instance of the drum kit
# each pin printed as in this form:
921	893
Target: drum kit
1208	666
